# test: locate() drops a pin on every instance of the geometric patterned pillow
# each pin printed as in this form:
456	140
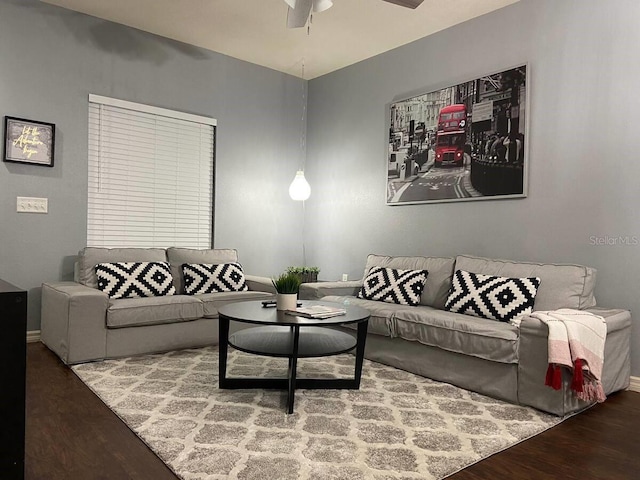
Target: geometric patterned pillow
390	285
487	296
135	279
207	278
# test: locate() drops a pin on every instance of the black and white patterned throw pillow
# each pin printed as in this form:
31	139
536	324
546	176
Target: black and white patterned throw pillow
209	278
135	279
487	296
403	287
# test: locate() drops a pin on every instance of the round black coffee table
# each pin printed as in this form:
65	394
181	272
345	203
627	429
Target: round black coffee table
280	334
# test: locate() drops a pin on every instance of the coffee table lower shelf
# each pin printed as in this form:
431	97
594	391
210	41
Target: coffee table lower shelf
276	341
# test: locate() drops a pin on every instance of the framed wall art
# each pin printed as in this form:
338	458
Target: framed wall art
29	141
462	142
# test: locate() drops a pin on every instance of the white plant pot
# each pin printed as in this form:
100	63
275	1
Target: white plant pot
286	301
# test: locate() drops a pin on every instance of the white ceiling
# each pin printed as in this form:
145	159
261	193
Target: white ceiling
255	30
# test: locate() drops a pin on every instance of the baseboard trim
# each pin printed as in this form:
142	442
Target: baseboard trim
634	386
33	336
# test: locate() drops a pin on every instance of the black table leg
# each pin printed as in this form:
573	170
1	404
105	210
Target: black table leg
223	341
362	340
293	362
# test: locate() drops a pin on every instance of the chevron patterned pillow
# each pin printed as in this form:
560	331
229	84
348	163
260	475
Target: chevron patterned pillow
208	278
390	285
135	279
487	296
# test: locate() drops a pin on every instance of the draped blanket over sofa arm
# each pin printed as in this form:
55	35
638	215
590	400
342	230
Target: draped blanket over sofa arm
533	363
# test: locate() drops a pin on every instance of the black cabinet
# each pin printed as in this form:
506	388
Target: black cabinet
13	356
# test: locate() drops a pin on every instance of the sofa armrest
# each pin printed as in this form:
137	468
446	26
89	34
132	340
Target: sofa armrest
73	322
533	361
533	358
311	291
260	284
615	318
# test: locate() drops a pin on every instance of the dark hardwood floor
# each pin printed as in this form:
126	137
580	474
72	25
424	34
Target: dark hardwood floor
72	435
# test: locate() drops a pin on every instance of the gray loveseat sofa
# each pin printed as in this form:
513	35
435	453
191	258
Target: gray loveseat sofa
494	358
80	323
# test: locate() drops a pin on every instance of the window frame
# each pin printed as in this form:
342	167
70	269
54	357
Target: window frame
201	121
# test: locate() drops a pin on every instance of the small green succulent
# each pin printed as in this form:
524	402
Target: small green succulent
287	283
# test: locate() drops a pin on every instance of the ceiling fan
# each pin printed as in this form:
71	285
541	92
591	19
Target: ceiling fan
299	10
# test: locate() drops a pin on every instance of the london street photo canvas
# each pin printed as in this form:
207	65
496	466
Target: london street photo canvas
463	142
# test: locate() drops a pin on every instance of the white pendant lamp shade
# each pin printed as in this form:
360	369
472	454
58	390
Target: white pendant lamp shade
299	189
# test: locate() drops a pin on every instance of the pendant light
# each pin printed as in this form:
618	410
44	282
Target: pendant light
300	190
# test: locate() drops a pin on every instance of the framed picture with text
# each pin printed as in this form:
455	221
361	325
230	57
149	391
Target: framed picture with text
29	141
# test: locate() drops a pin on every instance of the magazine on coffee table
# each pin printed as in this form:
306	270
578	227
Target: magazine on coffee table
317	311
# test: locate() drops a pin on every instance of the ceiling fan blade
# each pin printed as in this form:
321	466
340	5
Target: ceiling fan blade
406	3
297	17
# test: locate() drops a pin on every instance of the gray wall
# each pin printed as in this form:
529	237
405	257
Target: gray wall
51	59
583	147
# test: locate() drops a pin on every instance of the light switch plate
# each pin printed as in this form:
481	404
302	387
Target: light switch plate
345	277
32	205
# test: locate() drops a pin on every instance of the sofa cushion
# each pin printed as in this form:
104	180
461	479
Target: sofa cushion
381	319
179	256
213	301
403	287
495	341
438	282
488	296
89	257
207	278
135	279
131	312
561	286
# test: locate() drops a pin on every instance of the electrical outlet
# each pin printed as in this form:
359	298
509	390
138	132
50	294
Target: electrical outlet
345	277
32	205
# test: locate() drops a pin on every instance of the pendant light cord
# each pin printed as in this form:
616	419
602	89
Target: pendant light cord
303	137
303	147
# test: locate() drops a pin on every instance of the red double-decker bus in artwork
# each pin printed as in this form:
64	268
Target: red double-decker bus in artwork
451	135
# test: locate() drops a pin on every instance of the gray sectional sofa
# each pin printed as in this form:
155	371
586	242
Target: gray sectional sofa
80	323
498	359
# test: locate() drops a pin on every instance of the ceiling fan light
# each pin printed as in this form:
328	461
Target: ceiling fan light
298	17
321	5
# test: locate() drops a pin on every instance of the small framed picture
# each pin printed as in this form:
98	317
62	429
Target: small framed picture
29	141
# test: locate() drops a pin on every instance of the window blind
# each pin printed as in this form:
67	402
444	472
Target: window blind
151	176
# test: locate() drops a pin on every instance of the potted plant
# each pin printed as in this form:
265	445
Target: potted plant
306	274
287	286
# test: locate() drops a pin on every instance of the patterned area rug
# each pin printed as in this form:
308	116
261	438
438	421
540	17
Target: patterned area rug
398	426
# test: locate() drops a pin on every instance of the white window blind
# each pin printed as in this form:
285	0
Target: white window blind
150	176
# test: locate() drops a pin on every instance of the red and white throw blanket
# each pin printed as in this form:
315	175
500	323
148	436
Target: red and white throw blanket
576	342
